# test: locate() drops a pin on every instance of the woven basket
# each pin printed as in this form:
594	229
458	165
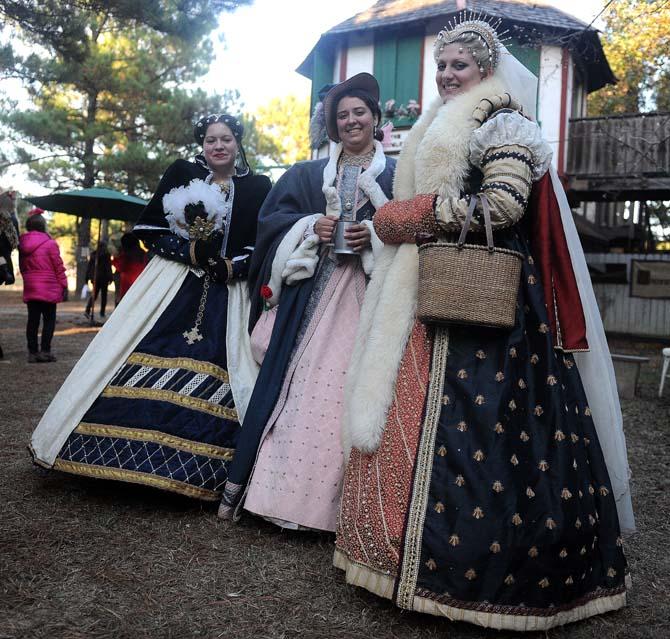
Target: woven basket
468	284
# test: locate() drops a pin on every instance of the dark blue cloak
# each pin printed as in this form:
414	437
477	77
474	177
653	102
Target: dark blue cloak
297	194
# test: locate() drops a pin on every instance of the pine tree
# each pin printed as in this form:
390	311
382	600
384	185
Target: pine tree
105	79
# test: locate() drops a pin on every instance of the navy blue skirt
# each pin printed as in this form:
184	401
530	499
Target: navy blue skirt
166	418
520	517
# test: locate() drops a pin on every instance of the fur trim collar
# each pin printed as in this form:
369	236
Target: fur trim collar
297	255
434	159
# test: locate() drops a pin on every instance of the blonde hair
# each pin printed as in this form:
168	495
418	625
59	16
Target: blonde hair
478	37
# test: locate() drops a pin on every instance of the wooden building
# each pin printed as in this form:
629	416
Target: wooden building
609	165
393	40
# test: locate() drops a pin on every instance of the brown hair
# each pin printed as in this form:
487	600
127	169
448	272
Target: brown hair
370	102
36	223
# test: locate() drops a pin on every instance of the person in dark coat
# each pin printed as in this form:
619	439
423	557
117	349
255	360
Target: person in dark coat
305	342
99	273
9	239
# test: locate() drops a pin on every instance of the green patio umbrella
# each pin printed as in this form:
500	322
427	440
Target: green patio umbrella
97	203
101	204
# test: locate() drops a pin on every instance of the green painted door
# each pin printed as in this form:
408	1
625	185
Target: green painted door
397	67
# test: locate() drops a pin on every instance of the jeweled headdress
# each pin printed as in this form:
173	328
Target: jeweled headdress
468	23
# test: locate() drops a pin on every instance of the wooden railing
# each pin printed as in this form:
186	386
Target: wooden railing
620	152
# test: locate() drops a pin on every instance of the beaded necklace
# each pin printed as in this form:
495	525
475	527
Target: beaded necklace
356	160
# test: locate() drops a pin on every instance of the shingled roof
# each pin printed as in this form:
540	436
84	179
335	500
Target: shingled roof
386	13
526	18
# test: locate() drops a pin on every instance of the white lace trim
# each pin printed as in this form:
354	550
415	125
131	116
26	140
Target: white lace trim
511	128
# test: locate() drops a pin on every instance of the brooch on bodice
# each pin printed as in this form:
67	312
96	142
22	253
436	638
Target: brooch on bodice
196	210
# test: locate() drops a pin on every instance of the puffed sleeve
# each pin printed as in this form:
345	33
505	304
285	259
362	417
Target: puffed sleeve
511	154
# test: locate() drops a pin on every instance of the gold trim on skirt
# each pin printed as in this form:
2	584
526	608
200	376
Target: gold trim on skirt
162	395
143	435
186	363
409	569
136	477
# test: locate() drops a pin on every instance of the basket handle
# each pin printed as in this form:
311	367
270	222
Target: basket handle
468	220
487	221
486	209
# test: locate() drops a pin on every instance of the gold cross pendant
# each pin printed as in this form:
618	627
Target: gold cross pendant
192	336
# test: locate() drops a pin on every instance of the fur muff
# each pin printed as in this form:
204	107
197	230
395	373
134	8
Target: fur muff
434	159
297	255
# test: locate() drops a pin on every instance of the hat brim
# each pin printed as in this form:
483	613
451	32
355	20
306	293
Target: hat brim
362	81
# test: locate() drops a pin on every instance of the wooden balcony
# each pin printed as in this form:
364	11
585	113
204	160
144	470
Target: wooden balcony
620	157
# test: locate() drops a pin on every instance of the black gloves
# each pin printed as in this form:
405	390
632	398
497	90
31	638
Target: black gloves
205	250
6	272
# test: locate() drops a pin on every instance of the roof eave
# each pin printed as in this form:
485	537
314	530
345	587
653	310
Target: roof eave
306	66
600	73
588	48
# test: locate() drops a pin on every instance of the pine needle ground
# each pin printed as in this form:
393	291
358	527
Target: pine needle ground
88	559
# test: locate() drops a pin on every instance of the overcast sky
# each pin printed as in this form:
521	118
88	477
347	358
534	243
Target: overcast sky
266	41
262	44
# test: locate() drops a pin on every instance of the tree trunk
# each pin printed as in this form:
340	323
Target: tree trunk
84	227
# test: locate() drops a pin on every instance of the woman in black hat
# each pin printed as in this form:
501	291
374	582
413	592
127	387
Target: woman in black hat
169	371
318	248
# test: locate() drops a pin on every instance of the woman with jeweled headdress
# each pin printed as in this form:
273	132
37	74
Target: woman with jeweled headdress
159	395
487	478
315	250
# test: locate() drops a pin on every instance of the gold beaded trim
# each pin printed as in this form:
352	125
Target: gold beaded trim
136	477
409	570
188	364
162	395
144	435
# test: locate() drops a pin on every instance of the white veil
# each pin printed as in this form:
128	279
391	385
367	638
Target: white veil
520	82
595	366
597	371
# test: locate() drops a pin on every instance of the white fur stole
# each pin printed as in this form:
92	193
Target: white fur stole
434	159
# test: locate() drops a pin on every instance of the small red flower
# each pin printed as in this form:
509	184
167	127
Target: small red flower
266	292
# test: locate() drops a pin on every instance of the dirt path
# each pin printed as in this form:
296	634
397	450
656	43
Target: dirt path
94	559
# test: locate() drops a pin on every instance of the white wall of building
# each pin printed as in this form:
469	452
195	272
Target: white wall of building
361	55
549	107
338	65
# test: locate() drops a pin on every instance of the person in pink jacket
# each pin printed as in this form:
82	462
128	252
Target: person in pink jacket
44	285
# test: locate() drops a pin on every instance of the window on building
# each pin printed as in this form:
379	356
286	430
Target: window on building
398	69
